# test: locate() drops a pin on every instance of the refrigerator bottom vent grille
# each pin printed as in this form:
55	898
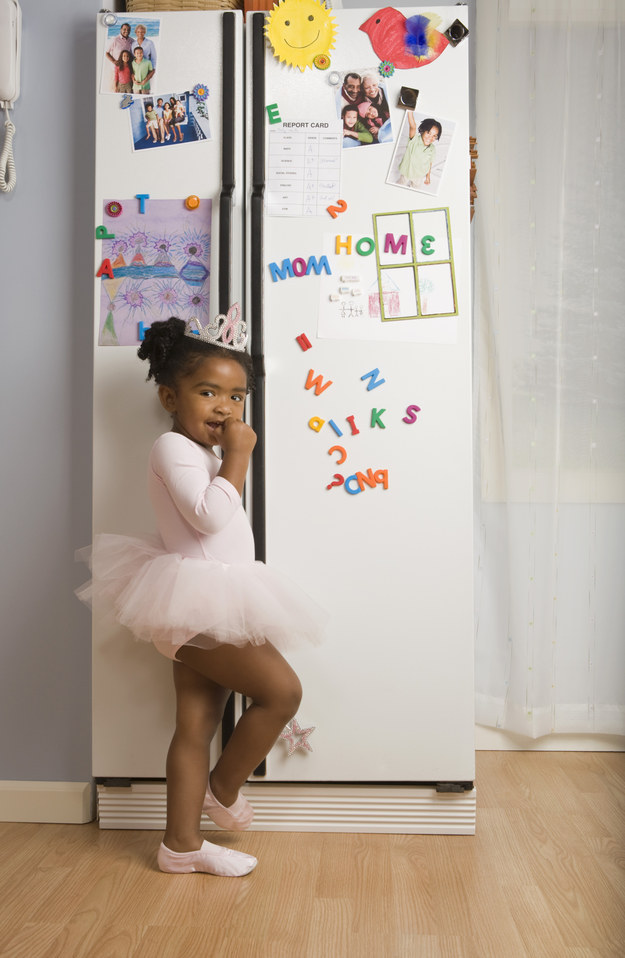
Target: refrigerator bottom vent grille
310	808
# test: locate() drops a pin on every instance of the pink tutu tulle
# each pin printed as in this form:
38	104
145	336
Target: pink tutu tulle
174	600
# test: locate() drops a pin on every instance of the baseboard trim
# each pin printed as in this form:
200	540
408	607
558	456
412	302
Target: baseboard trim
489	739
67	803
310	808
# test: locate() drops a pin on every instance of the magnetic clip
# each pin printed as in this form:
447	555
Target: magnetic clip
456	33
408	97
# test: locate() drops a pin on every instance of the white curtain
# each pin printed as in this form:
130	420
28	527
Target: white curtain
549	236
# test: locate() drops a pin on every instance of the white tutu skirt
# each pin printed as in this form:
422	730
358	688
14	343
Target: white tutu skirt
174	600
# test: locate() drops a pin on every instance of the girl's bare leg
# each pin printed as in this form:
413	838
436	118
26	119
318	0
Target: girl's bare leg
199	708
261	674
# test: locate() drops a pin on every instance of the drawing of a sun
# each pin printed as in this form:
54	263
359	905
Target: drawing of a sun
300	30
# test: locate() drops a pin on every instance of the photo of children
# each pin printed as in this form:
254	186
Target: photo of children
362	104
130	56
421	152
167	120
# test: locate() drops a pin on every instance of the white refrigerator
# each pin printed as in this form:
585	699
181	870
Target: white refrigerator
353	269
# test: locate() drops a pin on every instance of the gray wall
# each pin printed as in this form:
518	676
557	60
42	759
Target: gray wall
46	283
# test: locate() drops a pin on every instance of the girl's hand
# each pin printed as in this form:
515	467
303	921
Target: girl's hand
238	437
237	441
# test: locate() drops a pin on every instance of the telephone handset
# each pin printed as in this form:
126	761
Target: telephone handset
10	49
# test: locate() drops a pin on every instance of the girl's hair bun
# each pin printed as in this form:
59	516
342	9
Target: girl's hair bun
160	339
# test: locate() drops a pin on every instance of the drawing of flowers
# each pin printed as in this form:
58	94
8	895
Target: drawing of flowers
131	304
195	244
164	247
166	296
195	303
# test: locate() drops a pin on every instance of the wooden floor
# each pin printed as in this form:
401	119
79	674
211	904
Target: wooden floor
544	877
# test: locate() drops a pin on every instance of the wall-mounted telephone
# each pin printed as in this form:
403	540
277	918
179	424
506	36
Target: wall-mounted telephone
10	49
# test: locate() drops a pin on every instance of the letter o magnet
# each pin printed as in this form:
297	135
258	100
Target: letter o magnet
348	488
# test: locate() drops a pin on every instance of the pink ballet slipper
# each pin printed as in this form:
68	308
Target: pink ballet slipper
209	858
237	817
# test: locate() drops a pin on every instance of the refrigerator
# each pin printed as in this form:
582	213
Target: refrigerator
351	263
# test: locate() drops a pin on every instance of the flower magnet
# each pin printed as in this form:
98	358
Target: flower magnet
299	31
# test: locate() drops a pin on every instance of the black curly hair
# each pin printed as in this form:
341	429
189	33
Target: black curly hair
426	125
172	354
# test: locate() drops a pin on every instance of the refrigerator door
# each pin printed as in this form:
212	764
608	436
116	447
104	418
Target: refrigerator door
133	706
367	446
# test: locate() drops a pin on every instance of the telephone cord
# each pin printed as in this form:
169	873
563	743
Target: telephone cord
7	163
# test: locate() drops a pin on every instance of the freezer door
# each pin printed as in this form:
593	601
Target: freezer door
133	706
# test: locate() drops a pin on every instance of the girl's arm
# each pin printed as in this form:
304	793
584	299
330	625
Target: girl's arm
207	505
238	441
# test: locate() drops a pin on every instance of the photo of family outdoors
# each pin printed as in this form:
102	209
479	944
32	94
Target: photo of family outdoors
130	57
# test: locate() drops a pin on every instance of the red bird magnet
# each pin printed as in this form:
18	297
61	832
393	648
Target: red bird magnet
406	42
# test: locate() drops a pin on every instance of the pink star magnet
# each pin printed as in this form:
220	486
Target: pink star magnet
297	737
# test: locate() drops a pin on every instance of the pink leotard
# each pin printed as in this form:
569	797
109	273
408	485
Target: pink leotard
198	513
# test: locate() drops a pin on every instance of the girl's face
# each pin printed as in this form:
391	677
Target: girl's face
430	136
372	113
370	86
125	56
205	399
350	119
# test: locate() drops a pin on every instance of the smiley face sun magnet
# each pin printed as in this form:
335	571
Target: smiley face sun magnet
300	31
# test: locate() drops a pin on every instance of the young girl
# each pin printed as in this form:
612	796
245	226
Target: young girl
200	597
167	119
370	118
178	117
123	73
353	127
416	164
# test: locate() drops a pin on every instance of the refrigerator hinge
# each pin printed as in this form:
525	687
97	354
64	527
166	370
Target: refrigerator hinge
454	786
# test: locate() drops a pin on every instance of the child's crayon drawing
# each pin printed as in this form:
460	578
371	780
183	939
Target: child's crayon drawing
161	267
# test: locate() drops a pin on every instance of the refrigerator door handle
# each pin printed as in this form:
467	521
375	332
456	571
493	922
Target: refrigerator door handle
256	280
226	197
